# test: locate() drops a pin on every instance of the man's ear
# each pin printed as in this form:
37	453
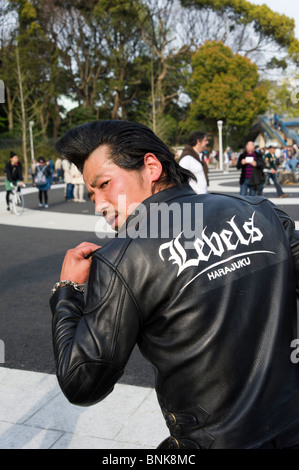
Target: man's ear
153	166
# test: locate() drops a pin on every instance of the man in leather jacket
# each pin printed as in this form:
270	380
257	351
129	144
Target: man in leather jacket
204	284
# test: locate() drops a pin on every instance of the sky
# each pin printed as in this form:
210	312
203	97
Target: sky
289	8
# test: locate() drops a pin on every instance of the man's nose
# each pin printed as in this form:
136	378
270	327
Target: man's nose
100	205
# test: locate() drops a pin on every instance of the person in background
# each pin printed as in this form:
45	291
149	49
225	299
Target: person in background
291	160
58	169
42	179
69	187
13	175
51	165
78	182
192	159
226	161
271	170
252	164
31	169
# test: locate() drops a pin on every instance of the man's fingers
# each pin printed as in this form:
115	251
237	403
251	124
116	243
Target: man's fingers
75	266
85	249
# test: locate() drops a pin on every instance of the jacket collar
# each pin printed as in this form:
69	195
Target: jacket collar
166	195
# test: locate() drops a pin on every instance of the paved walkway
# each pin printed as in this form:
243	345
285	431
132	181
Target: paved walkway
34	414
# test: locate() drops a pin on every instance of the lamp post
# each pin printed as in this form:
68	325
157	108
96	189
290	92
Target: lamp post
2	92
220	125
31	123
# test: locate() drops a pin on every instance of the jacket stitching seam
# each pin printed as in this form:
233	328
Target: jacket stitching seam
112	281
67	377
116	325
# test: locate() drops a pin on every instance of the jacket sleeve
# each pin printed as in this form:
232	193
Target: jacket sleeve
293	236
93	339
20	172
8	172
239	164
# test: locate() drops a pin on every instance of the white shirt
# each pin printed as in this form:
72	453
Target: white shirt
226	157
66	165
190	163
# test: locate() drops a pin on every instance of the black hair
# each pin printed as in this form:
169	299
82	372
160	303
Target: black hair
195	136
128	142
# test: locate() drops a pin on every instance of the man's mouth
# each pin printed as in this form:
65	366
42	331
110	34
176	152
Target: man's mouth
111	219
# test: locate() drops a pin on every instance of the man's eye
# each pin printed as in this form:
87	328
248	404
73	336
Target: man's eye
103	185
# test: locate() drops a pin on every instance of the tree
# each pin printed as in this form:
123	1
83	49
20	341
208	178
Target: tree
25	31
120	23
169	48
8	75
283	98
224	86
8	60
130	59
79	40
252	30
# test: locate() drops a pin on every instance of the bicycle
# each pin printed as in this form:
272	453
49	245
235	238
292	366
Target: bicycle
16	200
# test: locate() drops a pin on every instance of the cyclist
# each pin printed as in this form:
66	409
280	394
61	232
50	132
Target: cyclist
13	171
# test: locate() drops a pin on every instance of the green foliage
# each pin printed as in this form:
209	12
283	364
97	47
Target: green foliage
118	59
280	99
79	115
264	20
224	86
277	63
113	10
294	51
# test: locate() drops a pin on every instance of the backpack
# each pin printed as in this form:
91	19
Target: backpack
40	178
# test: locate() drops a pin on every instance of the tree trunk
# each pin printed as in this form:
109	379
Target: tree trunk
23	116
116	105
153	97
56	121
9	108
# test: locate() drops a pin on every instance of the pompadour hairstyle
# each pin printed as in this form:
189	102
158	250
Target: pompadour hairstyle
128	142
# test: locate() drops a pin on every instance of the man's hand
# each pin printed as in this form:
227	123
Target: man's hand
77	261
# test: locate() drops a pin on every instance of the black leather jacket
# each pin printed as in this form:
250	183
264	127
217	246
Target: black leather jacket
215	317
13	172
